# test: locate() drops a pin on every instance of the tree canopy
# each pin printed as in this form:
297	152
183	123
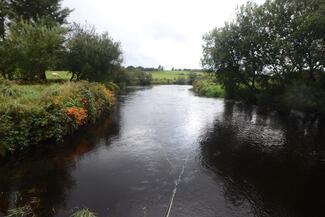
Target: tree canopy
269	49
50	11
92	56
30	49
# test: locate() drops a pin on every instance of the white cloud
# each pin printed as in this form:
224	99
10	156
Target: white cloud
153	32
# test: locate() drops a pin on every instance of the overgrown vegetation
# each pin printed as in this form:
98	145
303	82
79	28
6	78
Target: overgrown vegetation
272	54
207	86
31	114
83	213
27	211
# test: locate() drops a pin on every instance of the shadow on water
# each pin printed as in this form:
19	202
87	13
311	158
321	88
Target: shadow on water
267	161
239	161
41	178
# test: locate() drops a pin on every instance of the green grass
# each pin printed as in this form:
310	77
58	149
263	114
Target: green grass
172	77
62	75
208	87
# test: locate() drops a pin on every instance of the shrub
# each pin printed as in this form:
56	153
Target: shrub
207	87
138	77
31	114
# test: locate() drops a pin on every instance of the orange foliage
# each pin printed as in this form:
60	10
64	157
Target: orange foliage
110	95
78	114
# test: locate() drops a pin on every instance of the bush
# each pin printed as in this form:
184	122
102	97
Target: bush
305	98
137	77
31	114
207	87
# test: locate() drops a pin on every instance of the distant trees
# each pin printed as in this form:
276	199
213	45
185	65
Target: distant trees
91	56
145	69
161	68
269	49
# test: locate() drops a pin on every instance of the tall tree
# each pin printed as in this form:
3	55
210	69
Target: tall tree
4	10
30	49
38	9
269	48
92	56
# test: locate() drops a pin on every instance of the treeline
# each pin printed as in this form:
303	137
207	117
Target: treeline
272	54
160	68
146	69
35	37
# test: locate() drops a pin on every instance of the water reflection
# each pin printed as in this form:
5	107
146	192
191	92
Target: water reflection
239	161
265	161
42	177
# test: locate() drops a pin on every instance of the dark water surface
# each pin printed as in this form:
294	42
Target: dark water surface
228	160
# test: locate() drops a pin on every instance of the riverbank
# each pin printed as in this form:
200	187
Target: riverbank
35	113
207	87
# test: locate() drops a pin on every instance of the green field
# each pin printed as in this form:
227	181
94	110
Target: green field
158	77
61	75
172	77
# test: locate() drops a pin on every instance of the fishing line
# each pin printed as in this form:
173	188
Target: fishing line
177	182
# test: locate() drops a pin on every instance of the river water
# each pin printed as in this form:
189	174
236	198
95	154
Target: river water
166	149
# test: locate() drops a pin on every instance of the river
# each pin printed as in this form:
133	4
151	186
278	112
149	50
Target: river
165	150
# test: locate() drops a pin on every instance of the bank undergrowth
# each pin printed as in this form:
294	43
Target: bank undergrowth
32	114
208	87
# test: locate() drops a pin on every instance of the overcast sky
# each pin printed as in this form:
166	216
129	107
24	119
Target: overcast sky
156	32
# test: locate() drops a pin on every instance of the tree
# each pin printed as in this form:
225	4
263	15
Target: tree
30	49
49	11
92	56
38	9
269	47
161	68
4	11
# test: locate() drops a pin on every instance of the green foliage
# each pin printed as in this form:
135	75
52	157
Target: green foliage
83	213
268	49
50	11
134	77
304	97
34	10
91	56
208	87
25	211
31	114
30	49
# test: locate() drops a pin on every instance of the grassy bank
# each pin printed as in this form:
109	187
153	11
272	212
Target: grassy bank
207	86
32	114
